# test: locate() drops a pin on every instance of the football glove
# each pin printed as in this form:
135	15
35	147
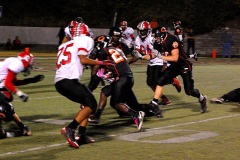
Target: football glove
137	54
22	96
100	72
157	54
37	78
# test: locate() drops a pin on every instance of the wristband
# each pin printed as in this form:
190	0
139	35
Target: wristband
150	56
100	62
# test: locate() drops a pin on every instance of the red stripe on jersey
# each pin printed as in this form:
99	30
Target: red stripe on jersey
82	49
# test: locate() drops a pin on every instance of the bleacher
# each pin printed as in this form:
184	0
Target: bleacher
206	43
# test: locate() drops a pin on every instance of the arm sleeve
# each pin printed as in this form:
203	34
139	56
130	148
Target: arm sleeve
9	82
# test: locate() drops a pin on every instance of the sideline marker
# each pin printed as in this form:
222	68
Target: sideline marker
214	54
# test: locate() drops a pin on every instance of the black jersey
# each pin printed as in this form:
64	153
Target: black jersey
123	47
172	42
116	55
158	46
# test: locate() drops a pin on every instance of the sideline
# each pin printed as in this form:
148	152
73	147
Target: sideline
176	125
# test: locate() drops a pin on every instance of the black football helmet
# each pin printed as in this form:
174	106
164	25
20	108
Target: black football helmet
115	35
162	33
101	42
79	19
6	111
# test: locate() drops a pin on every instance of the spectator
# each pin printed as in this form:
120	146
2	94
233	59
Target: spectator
191	41
8	45
16	43
227	39
61	35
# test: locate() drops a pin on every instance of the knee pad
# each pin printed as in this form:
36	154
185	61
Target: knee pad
193	92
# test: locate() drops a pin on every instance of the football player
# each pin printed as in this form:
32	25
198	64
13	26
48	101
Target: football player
68	29
179	66
115	35
144	45
71	57
121	88
127	35
232	96
9	68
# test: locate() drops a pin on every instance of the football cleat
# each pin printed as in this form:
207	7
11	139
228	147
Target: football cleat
93	119
153	107
195	56
83	139
165	101
217	100
68	133
139	120
176	84
26	131
203	104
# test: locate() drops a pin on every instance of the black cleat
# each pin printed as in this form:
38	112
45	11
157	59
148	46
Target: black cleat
165	101
139	120
93	119
177	85
69	134
83	139
153	107
203	104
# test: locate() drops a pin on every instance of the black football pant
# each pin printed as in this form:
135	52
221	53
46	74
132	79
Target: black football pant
185	73
77	92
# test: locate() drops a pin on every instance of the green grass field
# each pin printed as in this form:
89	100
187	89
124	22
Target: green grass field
183	134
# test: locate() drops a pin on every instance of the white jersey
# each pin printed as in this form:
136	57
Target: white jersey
13	64
127	39
146	47
68	60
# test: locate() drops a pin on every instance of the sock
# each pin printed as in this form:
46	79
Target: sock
132	113
201	98
98	113
155	100
82	130
74	124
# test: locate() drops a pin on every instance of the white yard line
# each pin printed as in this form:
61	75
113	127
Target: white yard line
171	126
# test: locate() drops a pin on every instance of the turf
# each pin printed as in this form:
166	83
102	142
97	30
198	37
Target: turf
172	137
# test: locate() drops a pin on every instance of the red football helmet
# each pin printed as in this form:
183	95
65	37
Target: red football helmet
26	58
124	23
71	25
144	29
80	29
